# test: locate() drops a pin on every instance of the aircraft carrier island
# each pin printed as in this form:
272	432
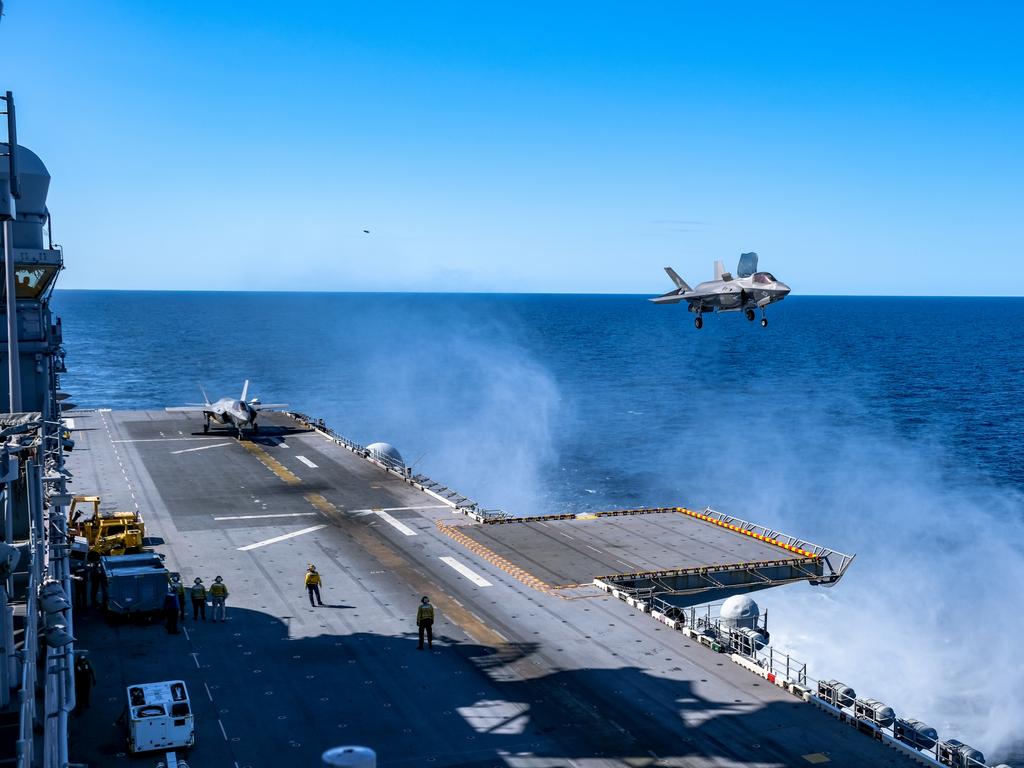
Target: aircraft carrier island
558	640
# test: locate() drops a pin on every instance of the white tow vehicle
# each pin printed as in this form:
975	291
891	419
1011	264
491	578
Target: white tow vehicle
159	716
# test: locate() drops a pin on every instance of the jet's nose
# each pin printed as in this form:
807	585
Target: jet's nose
782	288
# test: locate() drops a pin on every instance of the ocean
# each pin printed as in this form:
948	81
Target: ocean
885	427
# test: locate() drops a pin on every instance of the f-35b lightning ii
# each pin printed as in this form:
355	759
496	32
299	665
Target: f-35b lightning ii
747	290
229	412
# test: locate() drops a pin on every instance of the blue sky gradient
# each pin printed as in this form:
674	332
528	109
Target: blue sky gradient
537	147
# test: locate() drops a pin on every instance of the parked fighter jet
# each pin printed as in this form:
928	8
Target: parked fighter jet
228	411
747	290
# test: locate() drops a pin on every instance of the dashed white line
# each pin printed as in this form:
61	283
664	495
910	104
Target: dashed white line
222	731
200	448
208	694
593	548
185	630
306	461
398	525
567	535
276	539
476	578
195	658
262	517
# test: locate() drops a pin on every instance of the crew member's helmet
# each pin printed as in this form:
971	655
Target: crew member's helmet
311	568
198	580
218	579
424	599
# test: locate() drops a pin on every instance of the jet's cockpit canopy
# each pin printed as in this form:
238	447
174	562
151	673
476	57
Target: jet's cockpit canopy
747	265
764	277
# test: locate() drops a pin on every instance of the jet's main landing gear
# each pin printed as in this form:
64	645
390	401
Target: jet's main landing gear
698	322
206	427
750	314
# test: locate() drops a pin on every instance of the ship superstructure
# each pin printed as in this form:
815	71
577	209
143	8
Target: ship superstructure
36	624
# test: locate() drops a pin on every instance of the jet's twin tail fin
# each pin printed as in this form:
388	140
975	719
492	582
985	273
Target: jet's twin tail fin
206	399
245	390
720	270
680	283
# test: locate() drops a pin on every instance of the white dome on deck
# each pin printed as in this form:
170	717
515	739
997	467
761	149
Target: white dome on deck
386	453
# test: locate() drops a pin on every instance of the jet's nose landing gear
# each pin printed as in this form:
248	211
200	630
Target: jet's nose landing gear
750	314
206	427
698	322
764	322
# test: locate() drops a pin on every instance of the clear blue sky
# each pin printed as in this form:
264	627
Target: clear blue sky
530	147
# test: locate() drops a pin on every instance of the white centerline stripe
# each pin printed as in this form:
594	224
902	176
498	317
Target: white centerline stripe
223	732
476	578
395	523
586	545
262	517
276	539
306	461
200	448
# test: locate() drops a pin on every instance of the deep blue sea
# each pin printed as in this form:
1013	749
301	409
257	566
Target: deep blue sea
888	427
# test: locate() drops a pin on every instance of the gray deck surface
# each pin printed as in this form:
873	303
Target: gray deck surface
516	677
562	552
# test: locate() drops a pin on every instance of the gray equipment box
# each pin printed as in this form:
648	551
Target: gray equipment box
134	583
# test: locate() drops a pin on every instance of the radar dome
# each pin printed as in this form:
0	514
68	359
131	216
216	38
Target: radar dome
386	453
740	611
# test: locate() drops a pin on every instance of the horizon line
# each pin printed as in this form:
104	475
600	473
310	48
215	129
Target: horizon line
528	293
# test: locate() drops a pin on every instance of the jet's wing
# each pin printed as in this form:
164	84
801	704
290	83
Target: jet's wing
188	409
270	406
673	297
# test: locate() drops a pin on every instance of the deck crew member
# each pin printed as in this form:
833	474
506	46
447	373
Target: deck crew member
218	594
313	582
198	599
171	610
425	621
179	590
85	679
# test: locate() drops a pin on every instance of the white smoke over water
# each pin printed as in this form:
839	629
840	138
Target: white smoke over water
467	404
929	617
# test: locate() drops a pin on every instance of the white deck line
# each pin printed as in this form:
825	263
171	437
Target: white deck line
476	578
396	524
200	448
263	517
306	461
283	537
162	439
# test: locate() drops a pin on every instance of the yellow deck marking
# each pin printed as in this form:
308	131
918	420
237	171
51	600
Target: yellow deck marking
271	463
500	562
816	757
320	503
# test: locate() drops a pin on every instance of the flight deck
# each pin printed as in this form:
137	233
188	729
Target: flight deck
536	662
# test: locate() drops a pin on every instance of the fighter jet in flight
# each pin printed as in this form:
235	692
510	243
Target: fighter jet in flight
227	411
747	290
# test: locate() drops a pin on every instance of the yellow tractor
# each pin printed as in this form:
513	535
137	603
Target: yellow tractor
107	533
